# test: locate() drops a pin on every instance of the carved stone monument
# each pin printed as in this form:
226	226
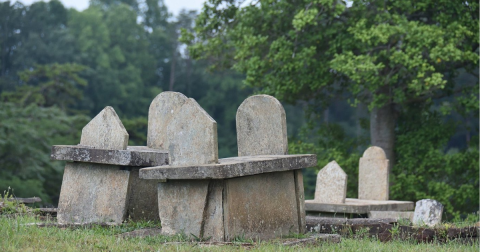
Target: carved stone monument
331	184
373	175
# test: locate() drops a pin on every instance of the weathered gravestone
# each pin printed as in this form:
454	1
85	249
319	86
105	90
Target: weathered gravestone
331	184
97	187
373	175
428	212
258	196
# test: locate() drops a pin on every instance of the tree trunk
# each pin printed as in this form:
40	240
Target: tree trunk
172	69
382	130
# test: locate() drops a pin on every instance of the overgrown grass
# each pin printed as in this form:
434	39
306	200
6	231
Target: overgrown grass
16	236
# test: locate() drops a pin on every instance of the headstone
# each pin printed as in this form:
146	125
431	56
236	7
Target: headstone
428	212
105	131
96	192
192	136
331	184
268	204
192	139
162	109
261	127
373	175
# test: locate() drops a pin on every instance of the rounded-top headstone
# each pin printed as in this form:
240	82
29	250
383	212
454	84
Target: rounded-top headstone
374	152
331	184
161	111
373	175
105	131
261	127
192	136
427	212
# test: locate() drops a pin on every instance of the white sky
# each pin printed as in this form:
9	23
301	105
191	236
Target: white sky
174	6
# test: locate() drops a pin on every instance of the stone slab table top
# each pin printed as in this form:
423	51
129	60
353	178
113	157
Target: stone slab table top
231	167
359	206
132	156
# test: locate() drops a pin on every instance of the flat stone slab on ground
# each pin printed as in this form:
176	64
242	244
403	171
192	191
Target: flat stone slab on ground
391	214
132	156
232	167
358	206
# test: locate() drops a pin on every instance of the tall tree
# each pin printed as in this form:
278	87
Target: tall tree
385	54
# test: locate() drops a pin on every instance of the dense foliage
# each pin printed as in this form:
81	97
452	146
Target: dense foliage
402	75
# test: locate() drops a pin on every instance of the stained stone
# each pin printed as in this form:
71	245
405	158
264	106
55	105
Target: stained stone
428	212
93	193
373	175
142	198
331	184
181	204
192	136
261	127
105	131
96	192
162	109
192	139
391	214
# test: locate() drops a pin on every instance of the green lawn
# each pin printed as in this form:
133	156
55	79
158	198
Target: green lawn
16	236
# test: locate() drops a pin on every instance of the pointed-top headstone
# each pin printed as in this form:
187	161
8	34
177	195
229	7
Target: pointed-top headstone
261	127
373	173
331	184
105	131
192	136
161	111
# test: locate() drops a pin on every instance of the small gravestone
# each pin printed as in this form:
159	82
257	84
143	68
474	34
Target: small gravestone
192	139
331	184
373	175
162	109
427	212
96	192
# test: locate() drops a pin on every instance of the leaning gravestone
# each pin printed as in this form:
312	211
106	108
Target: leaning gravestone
96	192
373	175
428	212
331	184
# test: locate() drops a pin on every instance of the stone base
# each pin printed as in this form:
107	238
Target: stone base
256	207
357	206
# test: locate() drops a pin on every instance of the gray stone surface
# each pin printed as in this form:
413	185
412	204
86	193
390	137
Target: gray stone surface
261	207
142	198
132	156
162	109
331	184
213	215
181	206
105	131
373	175
96	192
192	136
231	167
93	193
428	212
358	206
300	196
391	214
261	127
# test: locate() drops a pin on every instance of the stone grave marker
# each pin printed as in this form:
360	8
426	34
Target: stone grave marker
192	139
373	173
262	130
98	186
428	212
96	192
258	196
162	109
331	184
